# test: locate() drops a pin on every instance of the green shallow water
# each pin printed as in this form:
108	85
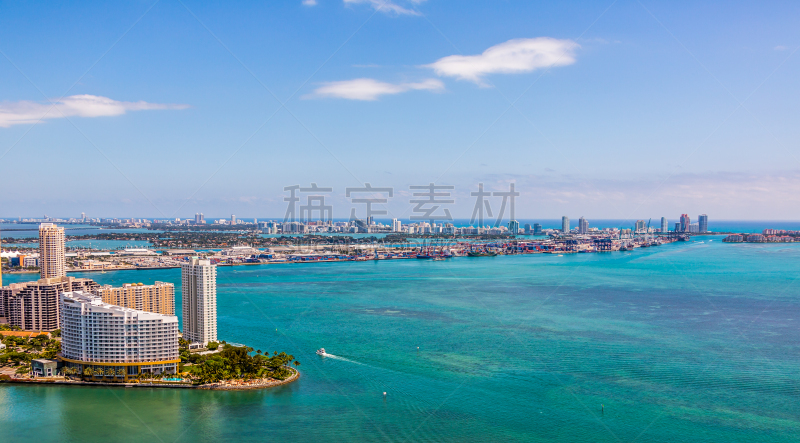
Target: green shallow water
692	342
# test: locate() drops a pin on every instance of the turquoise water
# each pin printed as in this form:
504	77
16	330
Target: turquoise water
90	244
691	342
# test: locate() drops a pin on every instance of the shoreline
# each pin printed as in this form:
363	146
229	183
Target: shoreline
222	386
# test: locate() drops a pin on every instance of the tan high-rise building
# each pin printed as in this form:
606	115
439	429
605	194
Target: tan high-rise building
33	306
52	261
158	298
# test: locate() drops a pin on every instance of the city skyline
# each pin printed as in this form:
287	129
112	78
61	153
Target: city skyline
258	102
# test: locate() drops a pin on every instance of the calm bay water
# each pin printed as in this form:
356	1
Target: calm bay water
692	342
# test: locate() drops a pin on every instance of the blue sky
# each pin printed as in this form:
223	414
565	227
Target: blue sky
618	110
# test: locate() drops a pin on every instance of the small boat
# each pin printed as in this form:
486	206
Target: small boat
321	351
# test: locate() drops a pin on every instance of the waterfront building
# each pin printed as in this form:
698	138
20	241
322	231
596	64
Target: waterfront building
527	228
537	229
158	297
734	238
565	224
694	227
685	222
33	306
664	226
702	221
42	367
52	262
513	226
640	226
199	300
583	226
396	225
116	342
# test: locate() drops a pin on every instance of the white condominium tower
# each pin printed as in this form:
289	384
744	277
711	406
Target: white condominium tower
115	342
199	278
52	261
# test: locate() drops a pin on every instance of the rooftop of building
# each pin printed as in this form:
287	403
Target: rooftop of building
26	334
97	301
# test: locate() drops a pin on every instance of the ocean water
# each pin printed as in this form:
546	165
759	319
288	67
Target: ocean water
690	342
31	230
89	244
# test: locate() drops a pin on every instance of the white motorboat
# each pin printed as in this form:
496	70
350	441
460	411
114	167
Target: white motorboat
321	351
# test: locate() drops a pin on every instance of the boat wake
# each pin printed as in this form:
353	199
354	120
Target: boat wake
322	353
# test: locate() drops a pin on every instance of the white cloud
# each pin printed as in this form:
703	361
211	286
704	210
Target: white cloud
780	48
514	56
387	6
309	2
27	112
371	89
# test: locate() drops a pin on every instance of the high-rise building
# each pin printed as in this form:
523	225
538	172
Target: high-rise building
565	224
583	226
199	300
233	219
33	306
513	226
702	221
396	225
640	226
527	228
537	229
158	297
677	227
52	261
116	342
685	222
664	225
83	216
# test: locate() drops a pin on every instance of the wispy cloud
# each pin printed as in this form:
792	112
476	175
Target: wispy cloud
387	6
514	56
28	112
370	89
724	195
309	2
780	48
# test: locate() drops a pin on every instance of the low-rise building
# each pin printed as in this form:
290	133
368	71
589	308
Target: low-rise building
109	342
42	367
